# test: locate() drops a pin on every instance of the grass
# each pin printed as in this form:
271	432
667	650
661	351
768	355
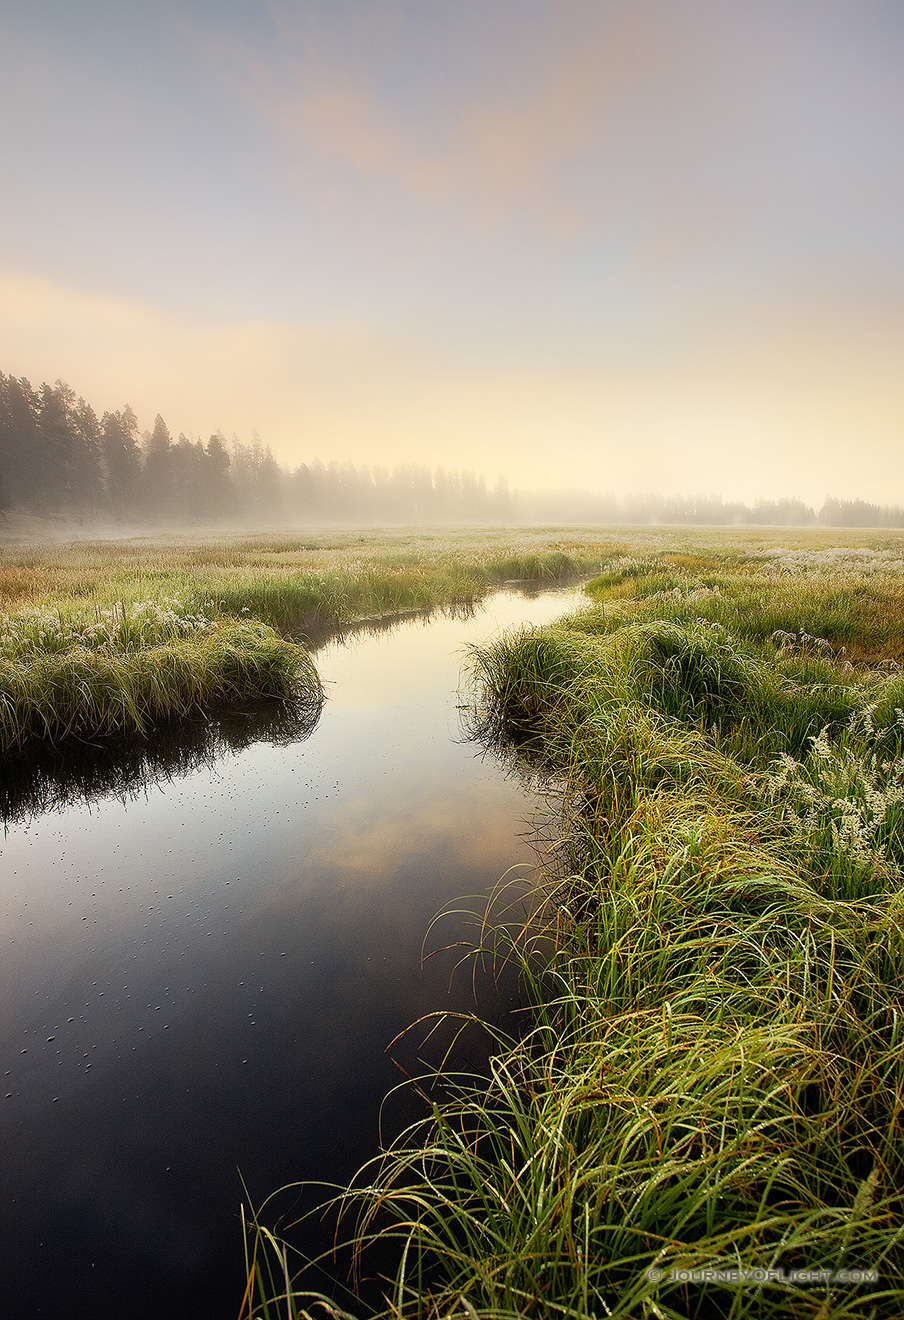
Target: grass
65	678
711	1074
89	692
290	582
112	638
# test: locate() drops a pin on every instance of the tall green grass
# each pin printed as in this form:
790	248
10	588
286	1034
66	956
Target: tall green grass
57	694
711	1074
286	581
127	669
849	600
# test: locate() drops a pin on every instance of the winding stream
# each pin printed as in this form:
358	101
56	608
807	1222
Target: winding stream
205	956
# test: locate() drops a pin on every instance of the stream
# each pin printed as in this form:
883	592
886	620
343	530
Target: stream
208	945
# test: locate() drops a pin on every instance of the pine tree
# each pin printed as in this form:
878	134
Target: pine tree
157	486
122	466
21	458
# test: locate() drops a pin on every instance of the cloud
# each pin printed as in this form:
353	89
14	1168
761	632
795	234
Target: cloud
493	152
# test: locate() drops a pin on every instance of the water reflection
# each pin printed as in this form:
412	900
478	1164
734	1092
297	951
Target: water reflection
53	778
316	634
205	961
59	777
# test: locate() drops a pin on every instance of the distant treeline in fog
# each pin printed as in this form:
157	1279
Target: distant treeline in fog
584	508
58	459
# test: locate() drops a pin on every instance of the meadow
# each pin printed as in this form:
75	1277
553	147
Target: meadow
700	1112
700	1115
99	638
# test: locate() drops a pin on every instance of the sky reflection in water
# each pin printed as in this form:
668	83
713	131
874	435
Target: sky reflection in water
201	974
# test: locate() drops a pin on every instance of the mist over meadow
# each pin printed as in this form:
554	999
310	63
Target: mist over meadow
59	460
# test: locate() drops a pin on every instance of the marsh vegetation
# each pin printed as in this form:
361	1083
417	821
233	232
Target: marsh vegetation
210	935
101	638
710	1076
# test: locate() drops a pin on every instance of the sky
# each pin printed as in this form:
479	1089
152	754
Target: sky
619	245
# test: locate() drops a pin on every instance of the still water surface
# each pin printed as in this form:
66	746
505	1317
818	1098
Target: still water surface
202	970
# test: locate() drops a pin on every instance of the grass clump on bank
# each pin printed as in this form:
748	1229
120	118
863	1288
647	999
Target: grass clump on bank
124	670
702	1116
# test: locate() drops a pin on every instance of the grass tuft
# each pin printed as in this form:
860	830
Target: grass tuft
62	680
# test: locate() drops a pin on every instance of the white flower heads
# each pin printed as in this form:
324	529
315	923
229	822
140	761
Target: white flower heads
841	795
124	627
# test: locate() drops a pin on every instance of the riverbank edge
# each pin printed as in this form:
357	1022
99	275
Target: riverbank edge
706	1109
72	672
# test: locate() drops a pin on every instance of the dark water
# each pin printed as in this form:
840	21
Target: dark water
206	951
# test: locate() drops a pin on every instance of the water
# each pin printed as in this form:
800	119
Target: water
206	951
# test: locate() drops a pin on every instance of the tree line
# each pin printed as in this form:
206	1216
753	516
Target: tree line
59	459
584	508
